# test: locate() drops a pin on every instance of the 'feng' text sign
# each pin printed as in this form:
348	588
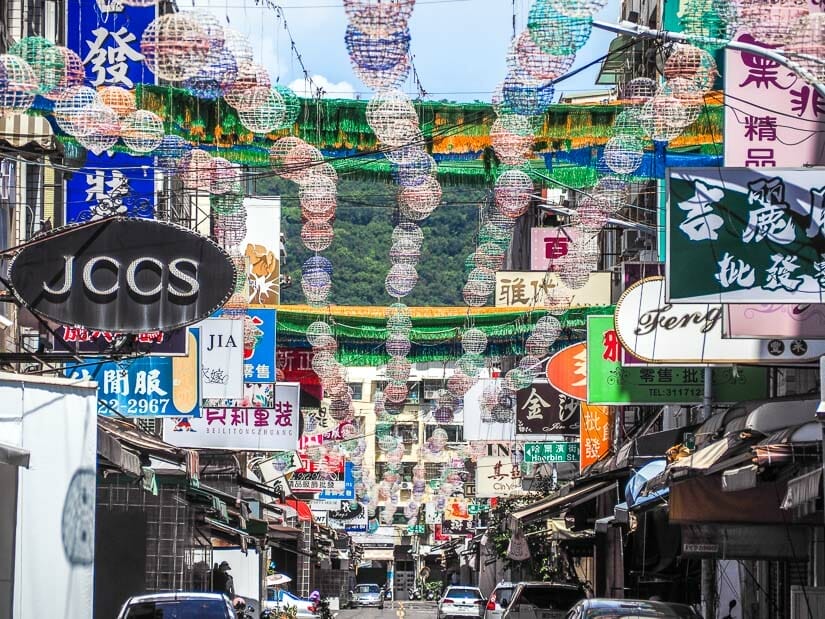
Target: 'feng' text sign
123	275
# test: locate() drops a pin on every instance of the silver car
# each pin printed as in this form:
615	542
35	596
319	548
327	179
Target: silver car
181	605
461	602
499	600
367	595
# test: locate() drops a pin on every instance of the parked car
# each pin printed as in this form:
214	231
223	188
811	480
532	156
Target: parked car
499	600
367	595
279	599
543	600
178	605
461	602
630	609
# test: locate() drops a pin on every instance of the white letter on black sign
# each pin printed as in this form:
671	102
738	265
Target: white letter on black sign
87	275
174	271
68	270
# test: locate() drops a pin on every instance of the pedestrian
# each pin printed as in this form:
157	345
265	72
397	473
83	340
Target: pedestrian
222	580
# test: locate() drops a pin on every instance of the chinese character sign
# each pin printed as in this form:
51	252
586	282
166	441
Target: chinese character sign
242	429
529	289
541	409
106	35
259	345
116	184
80	340
746	236
595	438
221	360
542	453
547	245
142	387
497	476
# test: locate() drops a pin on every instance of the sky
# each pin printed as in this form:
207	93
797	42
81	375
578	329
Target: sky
459	46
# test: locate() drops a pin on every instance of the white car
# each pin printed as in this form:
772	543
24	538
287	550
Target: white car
499	600
278	600
461	602
178	604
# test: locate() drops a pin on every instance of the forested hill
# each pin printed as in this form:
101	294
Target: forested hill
360	252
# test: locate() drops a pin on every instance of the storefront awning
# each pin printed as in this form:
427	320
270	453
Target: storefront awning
111	449
745	541
702	500
283	531
21	130
14	456
547	508
803	489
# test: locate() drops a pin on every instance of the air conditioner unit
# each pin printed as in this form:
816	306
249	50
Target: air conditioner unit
430	394
406	485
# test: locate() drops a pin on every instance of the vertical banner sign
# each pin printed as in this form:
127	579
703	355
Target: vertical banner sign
221	362
595	438
547	245
259	345
106	35
262	248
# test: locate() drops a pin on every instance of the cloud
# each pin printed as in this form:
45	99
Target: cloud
331	90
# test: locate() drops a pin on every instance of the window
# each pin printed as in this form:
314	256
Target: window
179	609
455	433
357	391
367	589
549	597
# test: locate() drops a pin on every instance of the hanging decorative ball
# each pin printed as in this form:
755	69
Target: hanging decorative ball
44	59
663	118
300	162
613	192
236	307
317	236
693	64
575	266
474	295
316	330
398	369
415	168
710	19
239	44
501	413
531	365
577	8
408	232
515	380
142	131
807	46
327	343
267	117
292	105
217	74
483	279
549	328
392	116
638	91
315	264
627	123
512	148
470	364
195	170
423	198
230	230
536	345
623	154
383	79
378	17
170	151
522	98
686	92
459	383
225	176
377	53
120	100
106	131
773	23
73	72
174	46
489	256
399	324
78	111
18	85
530	63
397	345
555	33
558	299
474	341
400	280
281	148
395	393
317	193
513	192
405	252
251	88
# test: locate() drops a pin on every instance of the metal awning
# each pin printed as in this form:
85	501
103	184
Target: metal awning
620	59
110	448
20	130
14	456
742	478
554	505
702	459
282	531
803	489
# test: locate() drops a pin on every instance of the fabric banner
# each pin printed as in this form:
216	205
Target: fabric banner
542	410
745	235
596	439
610	383
262	248
548	245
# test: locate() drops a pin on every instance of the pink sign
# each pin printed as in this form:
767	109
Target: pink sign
548	245
773	321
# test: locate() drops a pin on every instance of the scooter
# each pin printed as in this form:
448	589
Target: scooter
414	593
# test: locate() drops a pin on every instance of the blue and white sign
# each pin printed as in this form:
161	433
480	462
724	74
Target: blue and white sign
259	353
106	35
348	494
142	387
116	184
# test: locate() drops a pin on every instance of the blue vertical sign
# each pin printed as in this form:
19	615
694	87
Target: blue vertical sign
259	352
106	36
348	493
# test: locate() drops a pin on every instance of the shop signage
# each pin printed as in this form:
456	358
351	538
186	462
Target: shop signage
773	321
496	476
691	333
262	248
338	493
457	527
431	514
123	275
325	505
416	529
557	451
304	481
608	382
542	410
272	467
567	371
242	429
456	509
746	235
529	289
142	387
81	341
596	438
482	412
221	348
549	244
255	395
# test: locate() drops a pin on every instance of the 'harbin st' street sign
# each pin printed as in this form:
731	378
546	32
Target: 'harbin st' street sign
540	453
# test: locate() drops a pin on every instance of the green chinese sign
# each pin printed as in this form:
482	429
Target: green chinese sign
540	453
611	383
416	529
746	235
477	507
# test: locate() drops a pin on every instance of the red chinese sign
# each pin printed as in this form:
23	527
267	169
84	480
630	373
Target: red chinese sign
595	433
567	371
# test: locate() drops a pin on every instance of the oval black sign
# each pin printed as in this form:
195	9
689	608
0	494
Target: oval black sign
124	275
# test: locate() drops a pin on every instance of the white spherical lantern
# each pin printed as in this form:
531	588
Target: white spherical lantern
142	131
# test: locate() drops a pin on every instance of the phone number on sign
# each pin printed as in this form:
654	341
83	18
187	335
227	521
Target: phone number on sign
133	406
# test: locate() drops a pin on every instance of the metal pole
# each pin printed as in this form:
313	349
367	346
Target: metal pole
642	32
820	415
707	397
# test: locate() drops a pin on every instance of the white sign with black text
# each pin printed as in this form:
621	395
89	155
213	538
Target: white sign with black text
221	362
497	476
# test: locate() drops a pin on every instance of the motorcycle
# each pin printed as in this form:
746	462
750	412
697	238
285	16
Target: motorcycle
243	610
414	593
